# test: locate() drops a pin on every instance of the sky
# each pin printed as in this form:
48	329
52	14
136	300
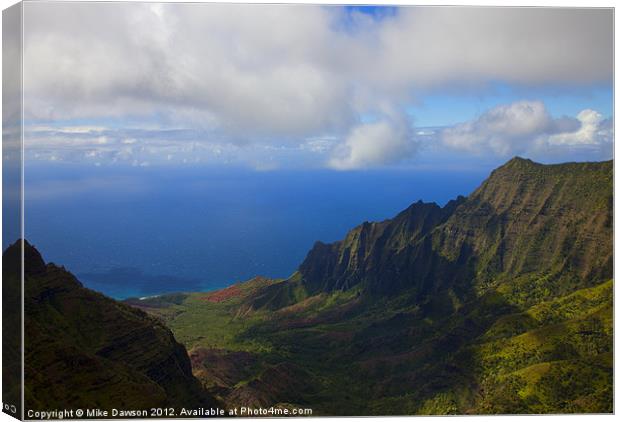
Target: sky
269	87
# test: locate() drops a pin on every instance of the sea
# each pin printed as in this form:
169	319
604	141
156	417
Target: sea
136	232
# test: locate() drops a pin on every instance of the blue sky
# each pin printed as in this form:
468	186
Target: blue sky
343	88
446	109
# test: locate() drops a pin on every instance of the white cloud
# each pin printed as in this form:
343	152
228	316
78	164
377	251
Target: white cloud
428	47
371	144
290	69
502	130
525	127
590	131
141	147
282	74
250	70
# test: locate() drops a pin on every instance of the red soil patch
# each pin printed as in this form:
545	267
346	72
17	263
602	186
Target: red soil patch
224	294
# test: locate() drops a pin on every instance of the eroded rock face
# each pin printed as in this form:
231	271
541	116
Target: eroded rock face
526	217
366	251
84	350
497	303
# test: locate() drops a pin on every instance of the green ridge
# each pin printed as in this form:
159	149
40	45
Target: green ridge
500	302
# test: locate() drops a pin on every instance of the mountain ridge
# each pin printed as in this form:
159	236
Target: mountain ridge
499	302
85	350
426	242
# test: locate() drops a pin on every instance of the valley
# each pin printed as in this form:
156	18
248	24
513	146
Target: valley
500	302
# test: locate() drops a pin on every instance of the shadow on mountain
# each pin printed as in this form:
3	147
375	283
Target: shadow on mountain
85	350
497	303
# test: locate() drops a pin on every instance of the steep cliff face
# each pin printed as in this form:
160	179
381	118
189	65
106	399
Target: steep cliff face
525	218
365	254
498	303
84	350
529	218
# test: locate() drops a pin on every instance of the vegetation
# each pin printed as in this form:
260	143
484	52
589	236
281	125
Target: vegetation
84	350
497	303
500	302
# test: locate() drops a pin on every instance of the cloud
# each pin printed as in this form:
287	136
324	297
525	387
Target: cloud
372	144
435	47
250	70
502	130
287	70
525	127
238	76
140	147
591	131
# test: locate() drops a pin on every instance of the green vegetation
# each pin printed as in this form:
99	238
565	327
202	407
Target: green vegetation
388	357
497	303
199	322
84	350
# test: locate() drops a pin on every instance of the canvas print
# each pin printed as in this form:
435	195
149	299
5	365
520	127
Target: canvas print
215	210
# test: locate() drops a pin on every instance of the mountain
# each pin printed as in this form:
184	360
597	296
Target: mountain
525	218
369	252
84	350
500	302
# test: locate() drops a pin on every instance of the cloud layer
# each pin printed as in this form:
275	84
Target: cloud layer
526	127
279	75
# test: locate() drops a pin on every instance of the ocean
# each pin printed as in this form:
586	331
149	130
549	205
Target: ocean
129	232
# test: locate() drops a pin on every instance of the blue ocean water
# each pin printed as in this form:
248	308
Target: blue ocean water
145	231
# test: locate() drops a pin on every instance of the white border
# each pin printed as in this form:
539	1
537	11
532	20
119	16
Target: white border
571	3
